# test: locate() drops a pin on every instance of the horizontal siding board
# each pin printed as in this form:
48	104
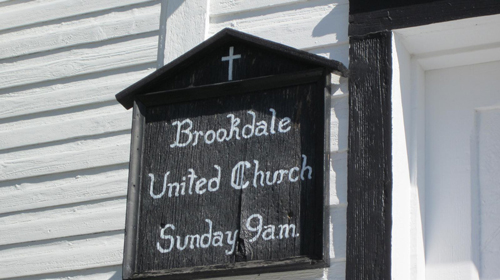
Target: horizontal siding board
100	250
36	12
63	222
79	61
302	27
61	116
63	147
77	189
107	273
88	126
339	52
84	31
224	7
50	163
67	95
336	271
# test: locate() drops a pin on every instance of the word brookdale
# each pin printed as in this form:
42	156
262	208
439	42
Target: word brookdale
186	135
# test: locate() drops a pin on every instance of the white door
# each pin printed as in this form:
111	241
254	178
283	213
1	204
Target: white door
462	165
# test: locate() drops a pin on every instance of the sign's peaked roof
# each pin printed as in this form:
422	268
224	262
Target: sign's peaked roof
205	64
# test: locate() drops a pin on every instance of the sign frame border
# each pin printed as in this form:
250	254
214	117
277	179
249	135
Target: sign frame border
319	75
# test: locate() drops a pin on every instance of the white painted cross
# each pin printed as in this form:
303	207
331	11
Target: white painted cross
230	58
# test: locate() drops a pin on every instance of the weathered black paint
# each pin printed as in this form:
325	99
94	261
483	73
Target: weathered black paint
369	164
290	203
292	83
369	189
360	6
374	16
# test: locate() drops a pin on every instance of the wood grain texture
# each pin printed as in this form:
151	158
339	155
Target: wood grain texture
64	171
79	61
72	129
108	273
44	164
224	7
204	61
115	24
62	116
60	222
369	208
281	25
14	16
98	250
64	150
109	183
291	203
66	95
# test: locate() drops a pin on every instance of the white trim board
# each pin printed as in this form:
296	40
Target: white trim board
415	51
453	43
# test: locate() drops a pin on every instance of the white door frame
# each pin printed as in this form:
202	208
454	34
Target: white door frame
416	50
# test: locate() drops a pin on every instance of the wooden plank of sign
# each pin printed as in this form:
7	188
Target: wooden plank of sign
290	212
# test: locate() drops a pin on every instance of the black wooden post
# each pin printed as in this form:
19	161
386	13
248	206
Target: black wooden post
369	217
369	162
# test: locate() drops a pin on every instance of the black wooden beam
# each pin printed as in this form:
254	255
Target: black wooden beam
369	211
389	15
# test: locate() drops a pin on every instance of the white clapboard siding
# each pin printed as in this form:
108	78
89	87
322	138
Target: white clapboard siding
75	189
61	116
336	271
302	25
64	140
50	163
337	51
35	12
79	61
63	222
101	273
98	250
223	7
87	91
82	31
62	147
88	126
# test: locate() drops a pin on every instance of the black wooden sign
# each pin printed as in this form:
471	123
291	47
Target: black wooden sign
227	178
